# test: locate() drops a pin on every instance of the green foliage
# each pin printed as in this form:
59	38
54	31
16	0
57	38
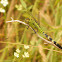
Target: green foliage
18	35
23	4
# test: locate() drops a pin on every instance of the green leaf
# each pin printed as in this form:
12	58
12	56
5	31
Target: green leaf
23	4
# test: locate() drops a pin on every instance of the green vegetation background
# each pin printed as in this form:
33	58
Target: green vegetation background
48	14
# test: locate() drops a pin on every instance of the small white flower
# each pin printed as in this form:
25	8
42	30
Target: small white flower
16	54
4	2
18	51
2	10
26	54
26	46
19	7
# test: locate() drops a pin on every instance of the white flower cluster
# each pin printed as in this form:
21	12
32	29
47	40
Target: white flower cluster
4	2
2	10
16	54
25	55
26	46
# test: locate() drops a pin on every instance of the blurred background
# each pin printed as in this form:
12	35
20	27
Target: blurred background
19	44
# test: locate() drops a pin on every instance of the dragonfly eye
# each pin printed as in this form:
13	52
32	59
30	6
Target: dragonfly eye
27	20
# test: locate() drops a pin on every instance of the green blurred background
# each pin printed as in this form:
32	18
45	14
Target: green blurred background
47	13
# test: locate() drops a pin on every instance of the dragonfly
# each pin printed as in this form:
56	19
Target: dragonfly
33	23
